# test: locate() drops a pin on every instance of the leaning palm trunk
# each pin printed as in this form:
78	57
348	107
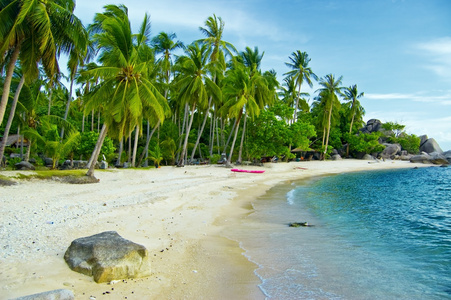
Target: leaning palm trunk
201	130
135	146
237	126
328	131
7	83
146	148
69	98
185	144
183	130
242	141
230	136
350	129
11	117
95	153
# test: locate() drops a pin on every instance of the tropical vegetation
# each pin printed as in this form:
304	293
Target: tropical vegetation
134	98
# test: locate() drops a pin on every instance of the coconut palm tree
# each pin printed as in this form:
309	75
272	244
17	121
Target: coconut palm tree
124	91
300	72
37	32
245	90
195	85
352	95
213	30
329	93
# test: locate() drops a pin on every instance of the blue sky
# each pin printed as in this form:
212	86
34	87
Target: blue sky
398	52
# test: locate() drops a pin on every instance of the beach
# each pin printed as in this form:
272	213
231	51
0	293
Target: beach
180	215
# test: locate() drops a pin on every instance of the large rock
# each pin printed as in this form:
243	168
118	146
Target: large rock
447	155
431	146
390	150
61	294
433	158
107	256
438	159
24	165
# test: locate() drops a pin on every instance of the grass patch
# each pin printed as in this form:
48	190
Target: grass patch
66	176
6	181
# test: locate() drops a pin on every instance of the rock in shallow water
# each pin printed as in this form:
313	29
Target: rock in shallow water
107	256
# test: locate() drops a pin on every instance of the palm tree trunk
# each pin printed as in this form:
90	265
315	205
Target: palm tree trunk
350	127
92	120
96	151
182	131
11	117
69	100
201	130
230	136
237	126
185	144
7	83
135	146
27	155
242	141
121	147
50	101
146	148
328	130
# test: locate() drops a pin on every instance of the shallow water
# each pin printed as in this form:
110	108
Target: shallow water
377	235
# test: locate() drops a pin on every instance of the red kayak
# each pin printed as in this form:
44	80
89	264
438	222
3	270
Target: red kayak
248	171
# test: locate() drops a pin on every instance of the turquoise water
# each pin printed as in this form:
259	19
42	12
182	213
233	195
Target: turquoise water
377	235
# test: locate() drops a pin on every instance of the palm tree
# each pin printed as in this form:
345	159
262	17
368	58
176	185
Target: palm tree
245	91
300	71
125	92
352	95
37	32
213	30
195	85
329	96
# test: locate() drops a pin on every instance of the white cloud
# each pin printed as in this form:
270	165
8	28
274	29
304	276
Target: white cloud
444	97
437	54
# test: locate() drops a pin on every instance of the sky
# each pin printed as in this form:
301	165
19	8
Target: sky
398	52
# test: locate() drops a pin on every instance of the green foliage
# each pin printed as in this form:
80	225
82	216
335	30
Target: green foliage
268	136
156	156
87	143
396	128
408	142
214	158
301	133
12	161
365	142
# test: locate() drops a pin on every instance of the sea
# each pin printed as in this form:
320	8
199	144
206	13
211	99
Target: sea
372	235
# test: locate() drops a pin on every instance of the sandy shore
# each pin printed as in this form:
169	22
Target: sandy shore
178	214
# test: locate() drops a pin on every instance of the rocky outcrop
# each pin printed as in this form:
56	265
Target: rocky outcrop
447	155
61	294
24	165
372	125
107	256
432	158
430	146
336	157
390	151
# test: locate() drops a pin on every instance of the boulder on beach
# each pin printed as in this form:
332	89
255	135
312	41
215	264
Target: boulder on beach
432	158
390	150
24	165
61	294
430	146
107	256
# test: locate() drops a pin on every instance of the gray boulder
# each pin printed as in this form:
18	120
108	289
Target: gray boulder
368	157
61	294
107	256
24	165
390	150
430	145
447	155
336	157
420	158
423	139
438	159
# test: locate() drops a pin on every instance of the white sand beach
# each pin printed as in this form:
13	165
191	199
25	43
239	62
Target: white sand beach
178	214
